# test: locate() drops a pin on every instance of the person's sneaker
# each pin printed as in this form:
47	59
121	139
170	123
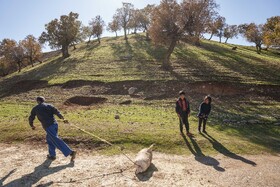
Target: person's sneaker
51	157
73	156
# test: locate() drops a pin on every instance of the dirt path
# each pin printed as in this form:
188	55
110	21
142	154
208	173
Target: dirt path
25	165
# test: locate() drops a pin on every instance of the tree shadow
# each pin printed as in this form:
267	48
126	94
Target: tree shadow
223	150
200	157
145	176
245	64
36	78
39	172
7	176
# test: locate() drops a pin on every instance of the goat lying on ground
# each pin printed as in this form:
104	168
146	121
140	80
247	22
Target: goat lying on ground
144	159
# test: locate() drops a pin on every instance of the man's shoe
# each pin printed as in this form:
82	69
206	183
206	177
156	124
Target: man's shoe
51	157
73	156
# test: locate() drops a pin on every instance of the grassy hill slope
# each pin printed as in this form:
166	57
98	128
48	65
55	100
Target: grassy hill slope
245	87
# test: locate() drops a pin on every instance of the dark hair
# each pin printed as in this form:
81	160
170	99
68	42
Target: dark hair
40	99
208	98
182	92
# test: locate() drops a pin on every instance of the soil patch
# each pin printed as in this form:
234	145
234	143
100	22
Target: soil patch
85	101
128	102
80	83
217	88
25	86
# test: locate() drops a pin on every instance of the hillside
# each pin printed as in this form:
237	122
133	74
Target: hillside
91	87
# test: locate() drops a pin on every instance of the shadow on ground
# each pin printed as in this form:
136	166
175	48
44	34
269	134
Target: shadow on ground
145	176
200	157
39	172
223	150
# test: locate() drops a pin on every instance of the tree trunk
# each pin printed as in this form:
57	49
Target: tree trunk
147	36
31	61
98	38
89	39
226	40
259	48
116	34
211	36
166	60
220	39
19	66
65	52
125	37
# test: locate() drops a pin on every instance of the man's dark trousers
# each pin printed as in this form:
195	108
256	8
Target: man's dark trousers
184	121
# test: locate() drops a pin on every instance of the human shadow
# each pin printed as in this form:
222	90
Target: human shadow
39	172
200	157
223	150
145	176
7	176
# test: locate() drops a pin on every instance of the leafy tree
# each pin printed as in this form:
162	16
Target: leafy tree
97	26
6	67
123	16
272	31
253	33
32	49
214	25
62	33
12	52
114	26
230	31
172	21
220	25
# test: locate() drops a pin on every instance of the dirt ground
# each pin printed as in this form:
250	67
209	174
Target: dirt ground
25	165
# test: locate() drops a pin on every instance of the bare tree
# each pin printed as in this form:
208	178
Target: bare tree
230	31
97	26
220	25
123	16
114	26
171	21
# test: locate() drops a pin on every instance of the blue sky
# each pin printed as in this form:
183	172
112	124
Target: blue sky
18	18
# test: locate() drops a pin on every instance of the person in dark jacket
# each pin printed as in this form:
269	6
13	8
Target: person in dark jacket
204	111
183	112
45	114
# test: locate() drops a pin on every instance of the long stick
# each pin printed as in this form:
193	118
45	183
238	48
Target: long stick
105	141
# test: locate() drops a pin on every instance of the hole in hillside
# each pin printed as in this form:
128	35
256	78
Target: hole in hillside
85	101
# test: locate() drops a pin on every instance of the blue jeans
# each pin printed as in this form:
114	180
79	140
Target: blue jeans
55	142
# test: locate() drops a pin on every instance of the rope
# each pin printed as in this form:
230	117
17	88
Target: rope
105	141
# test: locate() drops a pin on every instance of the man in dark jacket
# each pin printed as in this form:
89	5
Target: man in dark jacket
45	114
183	112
